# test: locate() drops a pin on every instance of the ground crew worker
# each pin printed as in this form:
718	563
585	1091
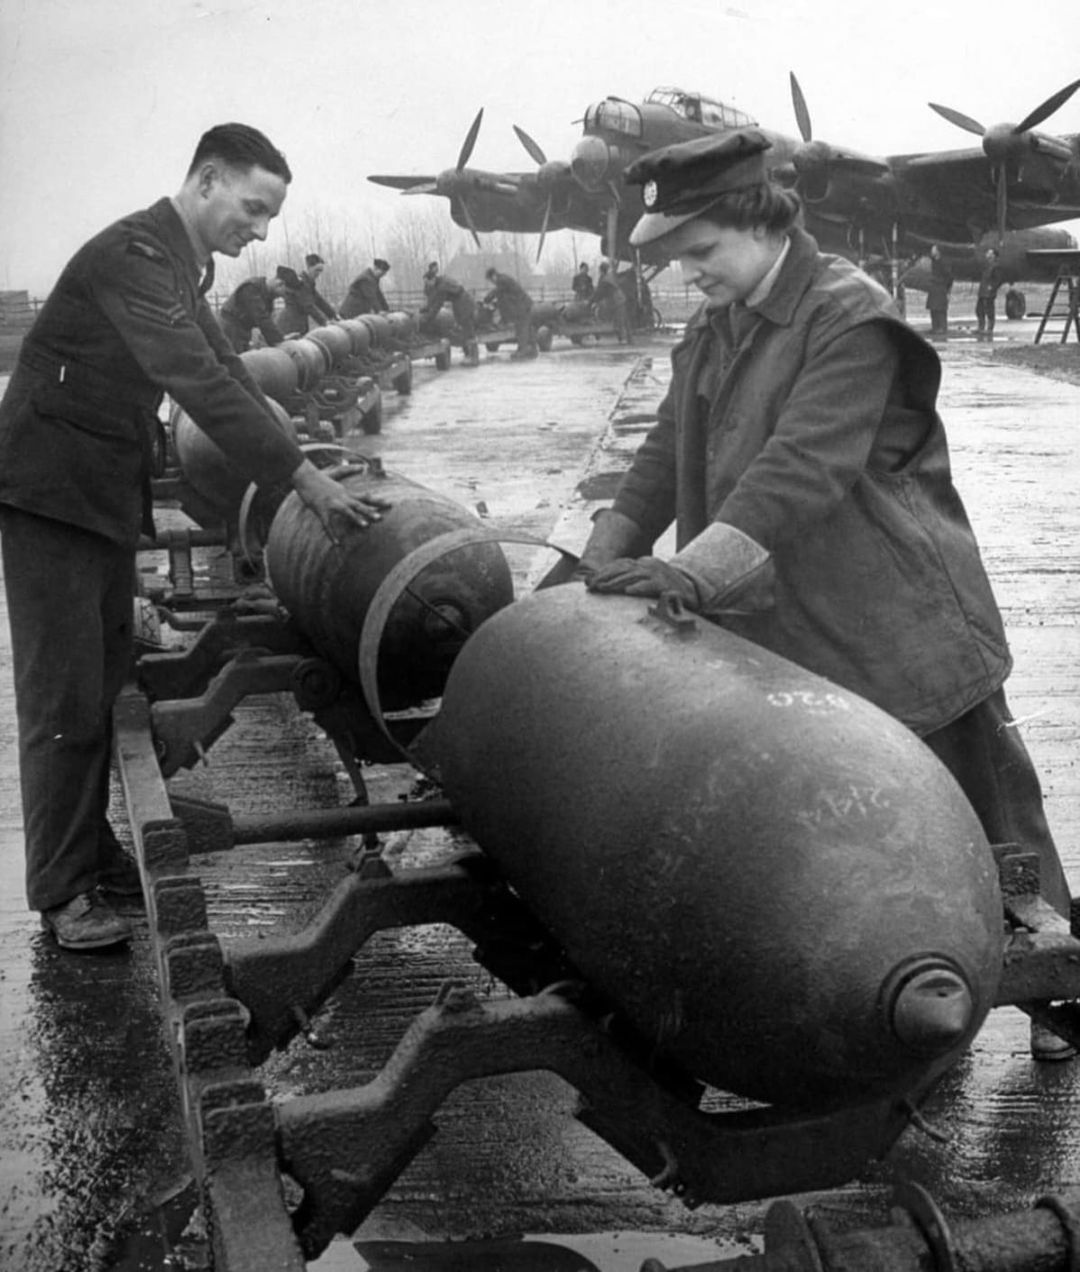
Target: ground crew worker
609	303
582	284
990	281
838	507
515	306
937	294
365	295
126	322
251	307
441	289
304	304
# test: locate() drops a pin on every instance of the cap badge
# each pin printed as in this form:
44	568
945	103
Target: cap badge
649	194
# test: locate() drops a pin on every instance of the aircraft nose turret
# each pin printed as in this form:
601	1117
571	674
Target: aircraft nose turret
590	163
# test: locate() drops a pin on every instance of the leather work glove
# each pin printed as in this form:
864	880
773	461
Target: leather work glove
720	571
613	535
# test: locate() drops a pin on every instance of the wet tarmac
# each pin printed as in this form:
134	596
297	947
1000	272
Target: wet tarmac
93	1167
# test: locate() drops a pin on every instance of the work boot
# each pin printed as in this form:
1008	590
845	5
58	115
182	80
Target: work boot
86	922
1048	1046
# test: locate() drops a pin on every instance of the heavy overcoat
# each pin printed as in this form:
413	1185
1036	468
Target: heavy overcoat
880	584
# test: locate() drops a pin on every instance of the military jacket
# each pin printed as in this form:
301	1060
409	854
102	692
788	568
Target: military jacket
125	324
365	296
252	305
513	300
811	425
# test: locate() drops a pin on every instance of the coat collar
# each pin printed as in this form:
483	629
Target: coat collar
175	233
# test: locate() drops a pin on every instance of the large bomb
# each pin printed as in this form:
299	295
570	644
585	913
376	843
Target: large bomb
206	467
778	885
328	588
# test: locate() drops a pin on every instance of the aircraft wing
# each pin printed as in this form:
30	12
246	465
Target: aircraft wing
1055	255
956	188
403	183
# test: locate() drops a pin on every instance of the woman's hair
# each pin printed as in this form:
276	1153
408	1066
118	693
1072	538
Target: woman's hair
769	205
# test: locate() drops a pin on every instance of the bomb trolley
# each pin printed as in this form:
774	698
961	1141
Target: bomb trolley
228	1005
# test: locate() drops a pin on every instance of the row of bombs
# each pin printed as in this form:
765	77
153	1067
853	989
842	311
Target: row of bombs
288	373
300	365
776	883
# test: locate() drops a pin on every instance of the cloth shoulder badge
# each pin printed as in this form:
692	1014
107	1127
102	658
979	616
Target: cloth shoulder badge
144	248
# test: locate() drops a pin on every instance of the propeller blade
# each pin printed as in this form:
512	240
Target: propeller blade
1002	202
466	216
428	187
470	140
1047	108
960	120
535	153
544	228
802	114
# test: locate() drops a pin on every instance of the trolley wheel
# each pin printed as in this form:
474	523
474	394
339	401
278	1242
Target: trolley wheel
1015	303
403	382
472	354
492	346
442	360
543	339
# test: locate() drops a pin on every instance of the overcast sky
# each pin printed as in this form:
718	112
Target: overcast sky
103	100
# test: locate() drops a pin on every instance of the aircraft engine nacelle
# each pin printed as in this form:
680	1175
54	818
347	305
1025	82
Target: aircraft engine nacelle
777	884
856	184
594	163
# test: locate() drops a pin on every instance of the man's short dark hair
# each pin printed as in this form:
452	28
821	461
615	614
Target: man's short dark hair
379	263
240	146
491	273
313	258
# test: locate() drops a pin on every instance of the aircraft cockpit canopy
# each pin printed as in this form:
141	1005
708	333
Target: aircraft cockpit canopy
614	114
700	109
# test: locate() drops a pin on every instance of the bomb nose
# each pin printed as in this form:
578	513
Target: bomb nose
932	1010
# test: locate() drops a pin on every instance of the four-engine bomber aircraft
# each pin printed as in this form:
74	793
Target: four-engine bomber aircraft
881	211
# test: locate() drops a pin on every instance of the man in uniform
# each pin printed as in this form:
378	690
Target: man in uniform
251	307
582	284
365	295
990	281
126	322
937	294
820	523
441	289
515	306
609	302
304	303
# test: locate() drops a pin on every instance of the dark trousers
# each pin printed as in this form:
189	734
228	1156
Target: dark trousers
521	318
985	312
464	308
986	754
70	607
939	321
